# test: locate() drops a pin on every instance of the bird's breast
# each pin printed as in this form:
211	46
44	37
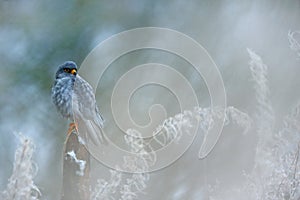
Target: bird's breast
62	92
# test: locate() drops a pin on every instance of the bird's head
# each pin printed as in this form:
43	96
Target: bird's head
67	69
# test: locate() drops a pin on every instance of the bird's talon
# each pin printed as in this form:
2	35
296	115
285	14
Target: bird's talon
72	127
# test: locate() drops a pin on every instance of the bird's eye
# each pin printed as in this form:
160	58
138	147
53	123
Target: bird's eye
67	70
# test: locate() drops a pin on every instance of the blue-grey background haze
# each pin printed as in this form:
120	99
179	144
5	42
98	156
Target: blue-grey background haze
37	36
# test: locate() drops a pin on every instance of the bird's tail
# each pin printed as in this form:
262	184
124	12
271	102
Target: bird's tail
91	131
96	133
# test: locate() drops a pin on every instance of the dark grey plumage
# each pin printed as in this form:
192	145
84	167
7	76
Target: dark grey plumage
74	99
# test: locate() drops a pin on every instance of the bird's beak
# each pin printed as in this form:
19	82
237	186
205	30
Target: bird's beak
73	71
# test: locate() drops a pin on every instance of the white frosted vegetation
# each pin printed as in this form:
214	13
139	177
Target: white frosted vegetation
276	170
21	185
259	179
294	42
128	187
125	186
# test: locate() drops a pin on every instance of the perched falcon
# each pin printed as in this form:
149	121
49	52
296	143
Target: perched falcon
74	98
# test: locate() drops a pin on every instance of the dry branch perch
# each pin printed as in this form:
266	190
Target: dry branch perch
76	169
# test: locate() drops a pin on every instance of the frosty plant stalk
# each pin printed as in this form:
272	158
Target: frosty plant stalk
21	185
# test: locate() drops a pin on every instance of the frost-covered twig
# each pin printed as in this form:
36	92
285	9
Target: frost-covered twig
259	184
289	185
106	189
139	162
286	150
276	171
21	185
127	186
264	116
238	117
174	127
294	43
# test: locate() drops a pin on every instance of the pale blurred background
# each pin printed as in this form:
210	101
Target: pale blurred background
37	36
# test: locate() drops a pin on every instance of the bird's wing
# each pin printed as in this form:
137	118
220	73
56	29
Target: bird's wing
90	131
86	113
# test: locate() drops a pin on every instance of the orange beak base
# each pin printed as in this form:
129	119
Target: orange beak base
73	71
